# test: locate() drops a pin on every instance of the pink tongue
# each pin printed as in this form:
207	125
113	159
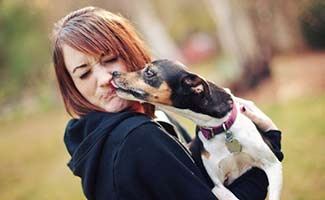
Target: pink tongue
114	84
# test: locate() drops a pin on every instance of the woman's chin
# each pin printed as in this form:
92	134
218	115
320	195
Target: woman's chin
118	104
114	105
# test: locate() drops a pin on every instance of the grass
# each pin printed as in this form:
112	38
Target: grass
33	156
302	122
33	159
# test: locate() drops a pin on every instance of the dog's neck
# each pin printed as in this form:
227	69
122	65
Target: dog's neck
198	118
211	131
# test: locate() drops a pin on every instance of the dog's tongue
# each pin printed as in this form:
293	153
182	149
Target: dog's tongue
114	84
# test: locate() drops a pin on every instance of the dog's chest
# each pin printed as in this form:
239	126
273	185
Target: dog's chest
228	165
216	146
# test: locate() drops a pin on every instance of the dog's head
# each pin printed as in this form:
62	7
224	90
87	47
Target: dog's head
165	82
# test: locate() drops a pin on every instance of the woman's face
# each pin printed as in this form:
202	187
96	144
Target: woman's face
92	77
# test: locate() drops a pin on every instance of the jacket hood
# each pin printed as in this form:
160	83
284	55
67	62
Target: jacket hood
84	138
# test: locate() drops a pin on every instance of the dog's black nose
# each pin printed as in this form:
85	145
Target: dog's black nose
116	74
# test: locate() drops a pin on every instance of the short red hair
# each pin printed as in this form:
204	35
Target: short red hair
94	31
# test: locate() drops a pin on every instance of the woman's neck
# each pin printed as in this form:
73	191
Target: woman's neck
137	107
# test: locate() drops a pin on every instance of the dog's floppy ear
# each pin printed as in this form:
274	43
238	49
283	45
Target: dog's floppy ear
196	84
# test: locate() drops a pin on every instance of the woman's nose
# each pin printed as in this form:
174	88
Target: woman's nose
103	77
116	74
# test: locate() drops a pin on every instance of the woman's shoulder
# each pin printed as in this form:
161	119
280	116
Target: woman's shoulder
149	142
150	155
145	133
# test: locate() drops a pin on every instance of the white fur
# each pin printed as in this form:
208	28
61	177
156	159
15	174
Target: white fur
223	166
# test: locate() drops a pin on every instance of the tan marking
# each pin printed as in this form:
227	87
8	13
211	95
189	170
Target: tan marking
157	95
205	154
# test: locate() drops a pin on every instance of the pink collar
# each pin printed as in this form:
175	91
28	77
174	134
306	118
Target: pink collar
210	132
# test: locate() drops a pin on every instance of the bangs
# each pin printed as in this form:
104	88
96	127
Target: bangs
91	36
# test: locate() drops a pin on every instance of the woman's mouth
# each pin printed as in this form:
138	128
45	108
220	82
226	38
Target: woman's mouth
114	84
111	91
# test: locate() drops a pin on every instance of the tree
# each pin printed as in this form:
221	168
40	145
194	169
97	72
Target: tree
143	14
246	31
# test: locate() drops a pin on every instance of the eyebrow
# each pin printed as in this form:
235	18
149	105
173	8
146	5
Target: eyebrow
80	66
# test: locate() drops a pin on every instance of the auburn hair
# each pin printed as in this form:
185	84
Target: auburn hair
95	31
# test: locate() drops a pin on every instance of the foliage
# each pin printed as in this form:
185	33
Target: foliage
183	18
313	24
24	48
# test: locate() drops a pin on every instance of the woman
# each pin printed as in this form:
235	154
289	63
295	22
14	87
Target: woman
115	147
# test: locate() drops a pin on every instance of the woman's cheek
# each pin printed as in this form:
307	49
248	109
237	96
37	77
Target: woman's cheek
88	90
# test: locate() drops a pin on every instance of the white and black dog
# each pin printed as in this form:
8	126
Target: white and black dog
231	141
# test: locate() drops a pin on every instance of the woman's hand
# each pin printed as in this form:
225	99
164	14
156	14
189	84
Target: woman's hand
250	110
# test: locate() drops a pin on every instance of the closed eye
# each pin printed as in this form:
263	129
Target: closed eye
85	75
109	59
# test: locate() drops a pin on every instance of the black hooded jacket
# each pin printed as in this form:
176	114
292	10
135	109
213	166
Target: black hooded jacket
127	156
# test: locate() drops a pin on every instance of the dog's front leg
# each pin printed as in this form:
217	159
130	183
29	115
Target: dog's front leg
222	193
219	190
274	175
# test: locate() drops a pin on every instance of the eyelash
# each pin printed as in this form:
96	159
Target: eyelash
111	60
85	75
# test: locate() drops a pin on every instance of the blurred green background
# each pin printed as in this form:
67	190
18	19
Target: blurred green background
269	51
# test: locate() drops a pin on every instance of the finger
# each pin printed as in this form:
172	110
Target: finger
256	119
248	113
250	105
244	102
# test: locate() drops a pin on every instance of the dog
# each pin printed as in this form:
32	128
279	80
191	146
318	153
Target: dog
231	141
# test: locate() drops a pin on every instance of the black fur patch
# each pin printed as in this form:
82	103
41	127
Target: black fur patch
154	82
213	101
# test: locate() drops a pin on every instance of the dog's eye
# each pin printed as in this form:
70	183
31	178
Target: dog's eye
149	73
